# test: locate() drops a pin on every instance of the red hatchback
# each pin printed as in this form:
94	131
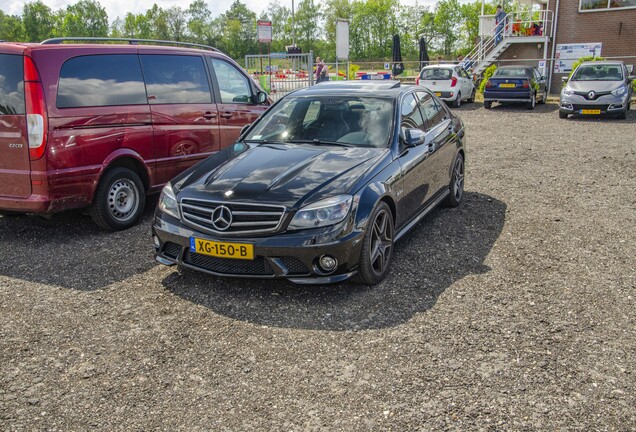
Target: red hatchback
102	125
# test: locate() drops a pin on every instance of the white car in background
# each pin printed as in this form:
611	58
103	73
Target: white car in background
451	83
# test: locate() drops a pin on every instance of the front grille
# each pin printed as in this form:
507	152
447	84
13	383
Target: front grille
294	266
586	95
246	218
578	107
171	250
258	266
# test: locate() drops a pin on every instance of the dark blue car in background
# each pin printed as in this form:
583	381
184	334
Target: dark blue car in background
516	84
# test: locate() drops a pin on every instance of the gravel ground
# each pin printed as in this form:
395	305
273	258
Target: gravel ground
514	311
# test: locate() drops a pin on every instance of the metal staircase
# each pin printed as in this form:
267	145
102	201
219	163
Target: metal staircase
515	31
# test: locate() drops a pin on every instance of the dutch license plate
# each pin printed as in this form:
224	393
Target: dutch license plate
507	85
438	94
222	249
590	111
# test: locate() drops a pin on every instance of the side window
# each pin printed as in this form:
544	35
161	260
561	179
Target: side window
432	110
176	79
233	85
411	117
101	80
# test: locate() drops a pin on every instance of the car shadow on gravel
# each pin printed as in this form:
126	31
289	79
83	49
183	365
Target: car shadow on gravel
446	246
70	251
518	107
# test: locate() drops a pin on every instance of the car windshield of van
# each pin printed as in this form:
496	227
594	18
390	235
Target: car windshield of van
336	120
512	73
601	72
436	74
11	85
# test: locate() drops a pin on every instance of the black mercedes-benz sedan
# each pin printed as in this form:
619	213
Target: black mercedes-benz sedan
319	188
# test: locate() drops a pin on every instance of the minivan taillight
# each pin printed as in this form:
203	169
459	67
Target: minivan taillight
453	81
35	110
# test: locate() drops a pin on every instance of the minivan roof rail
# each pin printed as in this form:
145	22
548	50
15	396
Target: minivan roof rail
130	41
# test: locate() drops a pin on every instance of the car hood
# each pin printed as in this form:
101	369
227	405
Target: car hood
286	174
597	86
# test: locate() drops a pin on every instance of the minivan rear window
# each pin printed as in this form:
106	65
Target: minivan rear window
11	84
101	80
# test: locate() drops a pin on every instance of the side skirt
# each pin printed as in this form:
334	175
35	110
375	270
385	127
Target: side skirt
426	210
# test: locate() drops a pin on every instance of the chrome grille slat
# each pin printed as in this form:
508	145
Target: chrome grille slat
246	217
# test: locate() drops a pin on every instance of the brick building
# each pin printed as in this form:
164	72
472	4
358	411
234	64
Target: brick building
571	29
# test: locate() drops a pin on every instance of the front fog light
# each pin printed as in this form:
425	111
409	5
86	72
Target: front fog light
157	242
328	263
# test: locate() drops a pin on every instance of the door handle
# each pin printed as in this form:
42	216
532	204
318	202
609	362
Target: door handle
226	115
209	116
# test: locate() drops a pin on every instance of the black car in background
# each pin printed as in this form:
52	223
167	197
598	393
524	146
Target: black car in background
516	84
319	188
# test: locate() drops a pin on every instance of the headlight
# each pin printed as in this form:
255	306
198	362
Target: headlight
567	91
168	202
326	212
619	91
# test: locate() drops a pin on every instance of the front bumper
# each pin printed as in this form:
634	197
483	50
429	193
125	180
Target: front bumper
293	255
607	104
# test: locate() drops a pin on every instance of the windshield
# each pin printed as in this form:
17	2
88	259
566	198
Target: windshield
600	72
436	74
512	73
344	120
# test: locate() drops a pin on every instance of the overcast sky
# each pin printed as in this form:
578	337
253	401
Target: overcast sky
116	8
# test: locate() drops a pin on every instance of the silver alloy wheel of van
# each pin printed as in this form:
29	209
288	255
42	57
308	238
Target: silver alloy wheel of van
123	199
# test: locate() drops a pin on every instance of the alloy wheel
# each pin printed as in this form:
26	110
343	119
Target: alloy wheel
458	179
381	245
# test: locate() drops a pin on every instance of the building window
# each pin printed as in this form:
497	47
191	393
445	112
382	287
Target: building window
595	5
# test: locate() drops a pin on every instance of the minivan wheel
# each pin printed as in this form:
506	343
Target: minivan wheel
471	99
119	200
377	246
456	185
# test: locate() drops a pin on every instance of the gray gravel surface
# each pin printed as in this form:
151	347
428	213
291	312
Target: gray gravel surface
515	311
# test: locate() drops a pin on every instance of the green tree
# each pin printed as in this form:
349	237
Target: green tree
199	24
177	22
447	25
280	16
38	21
332	11
238	31
85	18
308	24
11	28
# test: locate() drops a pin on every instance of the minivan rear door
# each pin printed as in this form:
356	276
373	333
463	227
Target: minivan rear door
15	176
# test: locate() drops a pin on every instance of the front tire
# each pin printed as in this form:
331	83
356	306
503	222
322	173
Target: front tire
119	200
487	104
563	115
544	97
456	185
377	246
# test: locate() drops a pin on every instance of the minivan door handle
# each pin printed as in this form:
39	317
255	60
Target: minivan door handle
226	115
209	115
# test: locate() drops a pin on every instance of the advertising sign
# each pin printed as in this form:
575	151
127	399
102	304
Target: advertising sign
264	31
342	39
567	54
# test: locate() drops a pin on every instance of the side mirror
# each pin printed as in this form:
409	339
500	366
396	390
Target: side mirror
261	97
564	79
245	128
413	137
631	78
543	78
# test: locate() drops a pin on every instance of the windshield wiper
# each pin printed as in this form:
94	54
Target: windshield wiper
257	141
319	142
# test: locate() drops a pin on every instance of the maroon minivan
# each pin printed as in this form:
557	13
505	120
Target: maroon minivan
102	125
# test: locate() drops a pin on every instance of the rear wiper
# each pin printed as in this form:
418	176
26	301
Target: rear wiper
319	142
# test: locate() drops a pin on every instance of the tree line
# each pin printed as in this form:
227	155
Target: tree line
450	28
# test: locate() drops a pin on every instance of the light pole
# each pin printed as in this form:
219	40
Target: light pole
293	28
